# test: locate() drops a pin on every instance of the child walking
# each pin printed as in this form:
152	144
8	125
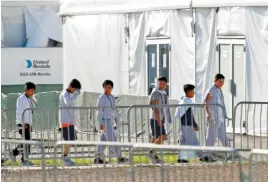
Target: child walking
186	116
106	115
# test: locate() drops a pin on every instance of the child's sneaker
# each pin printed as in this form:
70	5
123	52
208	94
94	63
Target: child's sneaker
27	163
99	161
208	159
68	162
182	161
122	160
155	159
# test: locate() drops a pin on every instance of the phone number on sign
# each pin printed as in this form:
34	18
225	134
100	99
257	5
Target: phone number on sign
34	74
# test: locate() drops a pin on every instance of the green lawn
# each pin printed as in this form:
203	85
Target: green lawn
85	161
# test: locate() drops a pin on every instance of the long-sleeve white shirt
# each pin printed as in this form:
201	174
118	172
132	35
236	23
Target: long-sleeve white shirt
66	104
24	102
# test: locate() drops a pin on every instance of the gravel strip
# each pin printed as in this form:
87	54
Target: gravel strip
143	173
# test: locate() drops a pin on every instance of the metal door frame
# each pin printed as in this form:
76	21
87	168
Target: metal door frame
157	41
231	41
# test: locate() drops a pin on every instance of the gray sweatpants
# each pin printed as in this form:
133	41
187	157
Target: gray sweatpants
188	137
108	135
216	131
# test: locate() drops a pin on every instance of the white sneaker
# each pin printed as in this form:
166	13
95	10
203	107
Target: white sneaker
27	163
155	159
68	162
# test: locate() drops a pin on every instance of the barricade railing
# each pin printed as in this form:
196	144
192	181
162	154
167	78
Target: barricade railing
259	170
11	173
250	125
90	171
141	130
142	168
46	127
168	170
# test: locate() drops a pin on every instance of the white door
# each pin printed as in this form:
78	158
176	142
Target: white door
158	62
232	66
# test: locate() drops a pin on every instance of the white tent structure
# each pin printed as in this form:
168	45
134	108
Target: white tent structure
30	23
134	41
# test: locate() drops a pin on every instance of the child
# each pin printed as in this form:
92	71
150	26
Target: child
186	116
159	115
106	115
25	101
216	115
67	117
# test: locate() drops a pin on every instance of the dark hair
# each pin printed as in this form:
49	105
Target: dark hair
219	76
29	85
188	87
108	82
75	84
162	78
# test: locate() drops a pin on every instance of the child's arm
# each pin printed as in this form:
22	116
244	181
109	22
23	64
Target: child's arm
100	112
68	99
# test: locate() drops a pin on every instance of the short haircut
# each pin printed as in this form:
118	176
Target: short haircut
162	78
29	85
218	76
75	84
188	87
108	82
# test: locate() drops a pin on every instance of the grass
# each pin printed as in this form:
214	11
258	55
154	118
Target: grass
141	159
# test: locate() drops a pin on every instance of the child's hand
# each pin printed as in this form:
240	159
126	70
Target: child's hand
102	127
196	129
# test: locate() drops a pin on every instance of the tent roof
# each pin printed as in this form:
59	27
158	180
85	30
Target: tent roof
87	7
28	2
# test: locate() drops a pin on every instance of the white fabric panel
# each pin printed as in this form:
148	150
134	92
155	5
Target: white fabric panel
94	51
228	3
13	27
42	25
137	65
182	52
206	59
231	21
173	23
2	33
257	46
79	7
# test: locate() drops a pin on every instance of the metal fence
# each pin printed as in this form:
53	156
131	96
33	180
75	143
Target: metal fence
140	167
139	117
94	172
133	125
250	125
258	165
46	128
169	170
10	173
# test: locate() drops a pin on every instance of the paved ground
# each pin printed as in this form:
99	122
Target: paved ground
146	173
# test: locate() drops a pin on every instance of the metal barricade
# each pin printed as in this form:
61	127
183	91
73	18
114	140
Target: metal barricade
258	165
88	171
250	126
169	170
139	117
26	173
46	128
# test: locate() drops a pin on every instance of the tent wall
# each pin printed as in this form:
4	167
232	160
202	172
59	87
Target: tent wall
174	24
24	23
95	50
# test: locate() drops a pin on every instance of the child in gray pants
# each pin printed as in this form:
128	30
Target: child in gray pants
107	114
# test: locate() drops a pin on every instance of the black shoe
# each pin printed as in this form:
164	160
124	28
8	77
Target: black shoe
182	161
99	161
122	160
207	159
